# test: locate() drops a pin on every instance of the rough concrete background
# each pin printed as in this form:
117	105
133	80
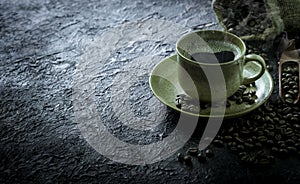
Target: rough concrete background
40	47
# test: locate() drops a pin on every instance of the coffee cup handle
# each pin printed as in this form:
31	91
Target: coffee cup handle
257	59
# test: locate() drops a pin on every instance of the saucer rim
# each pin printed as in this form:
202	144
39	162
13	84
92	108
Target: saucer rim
228	116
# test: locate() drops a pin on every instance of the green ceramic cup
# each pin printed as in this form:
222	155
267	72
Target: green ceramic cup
224	78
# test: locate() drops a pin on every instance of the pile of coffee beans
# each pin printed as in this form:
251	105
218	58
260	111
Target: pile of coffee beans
245	94
243	17
188	104
272	131
290	82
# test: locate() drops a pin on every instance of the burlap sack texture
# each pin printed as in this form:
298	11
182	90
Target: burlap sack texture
258	19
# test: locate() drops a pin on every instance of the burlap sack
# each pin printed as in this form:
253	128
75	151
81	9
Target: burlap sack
274	16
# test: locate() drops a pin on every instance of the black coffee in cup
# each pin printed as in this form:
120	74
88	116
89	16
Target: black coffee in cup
207	57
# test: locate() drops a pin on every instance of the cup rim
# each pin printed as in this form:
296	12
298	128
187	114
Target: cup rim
243	50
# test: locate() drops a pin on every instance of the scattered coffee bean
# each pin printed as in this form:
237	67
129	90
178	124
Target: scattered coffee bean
187	160
209	153
180	157
193	151
201	157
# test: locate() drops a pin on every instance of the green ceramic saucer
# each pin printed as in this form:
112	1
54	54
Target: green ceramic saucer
165	86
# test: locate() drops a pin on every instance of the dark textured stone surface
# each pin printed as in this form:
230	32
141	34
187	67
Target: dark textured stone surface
42	43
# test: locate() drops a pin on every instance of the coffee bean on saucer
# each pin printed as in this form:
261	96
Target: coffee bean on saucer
228	104
239	100
243	87
178	101
246	98
233	97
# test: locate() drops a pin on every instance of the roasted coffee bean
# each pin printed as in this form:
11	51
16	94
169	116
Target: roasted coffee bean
251	101
228	104
219	137
250	140
227	138
252	160
240	147
271	127
289	101
233	98
278	137
233	149
249	145
218	143
289	115
239	139
260	133
245	158
201	157
193	151
268	118
270	142
180	157
292	149
273	115
283	152
281	122
287	110
246	93
296	126
187	160
178	103
283	146
230	130
243	87
275	150
270	68
264	161
261	153
246	98
231	144
209	153
245	131
258	145
271	158
276	119
262	138
297	145
241	154
239	100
